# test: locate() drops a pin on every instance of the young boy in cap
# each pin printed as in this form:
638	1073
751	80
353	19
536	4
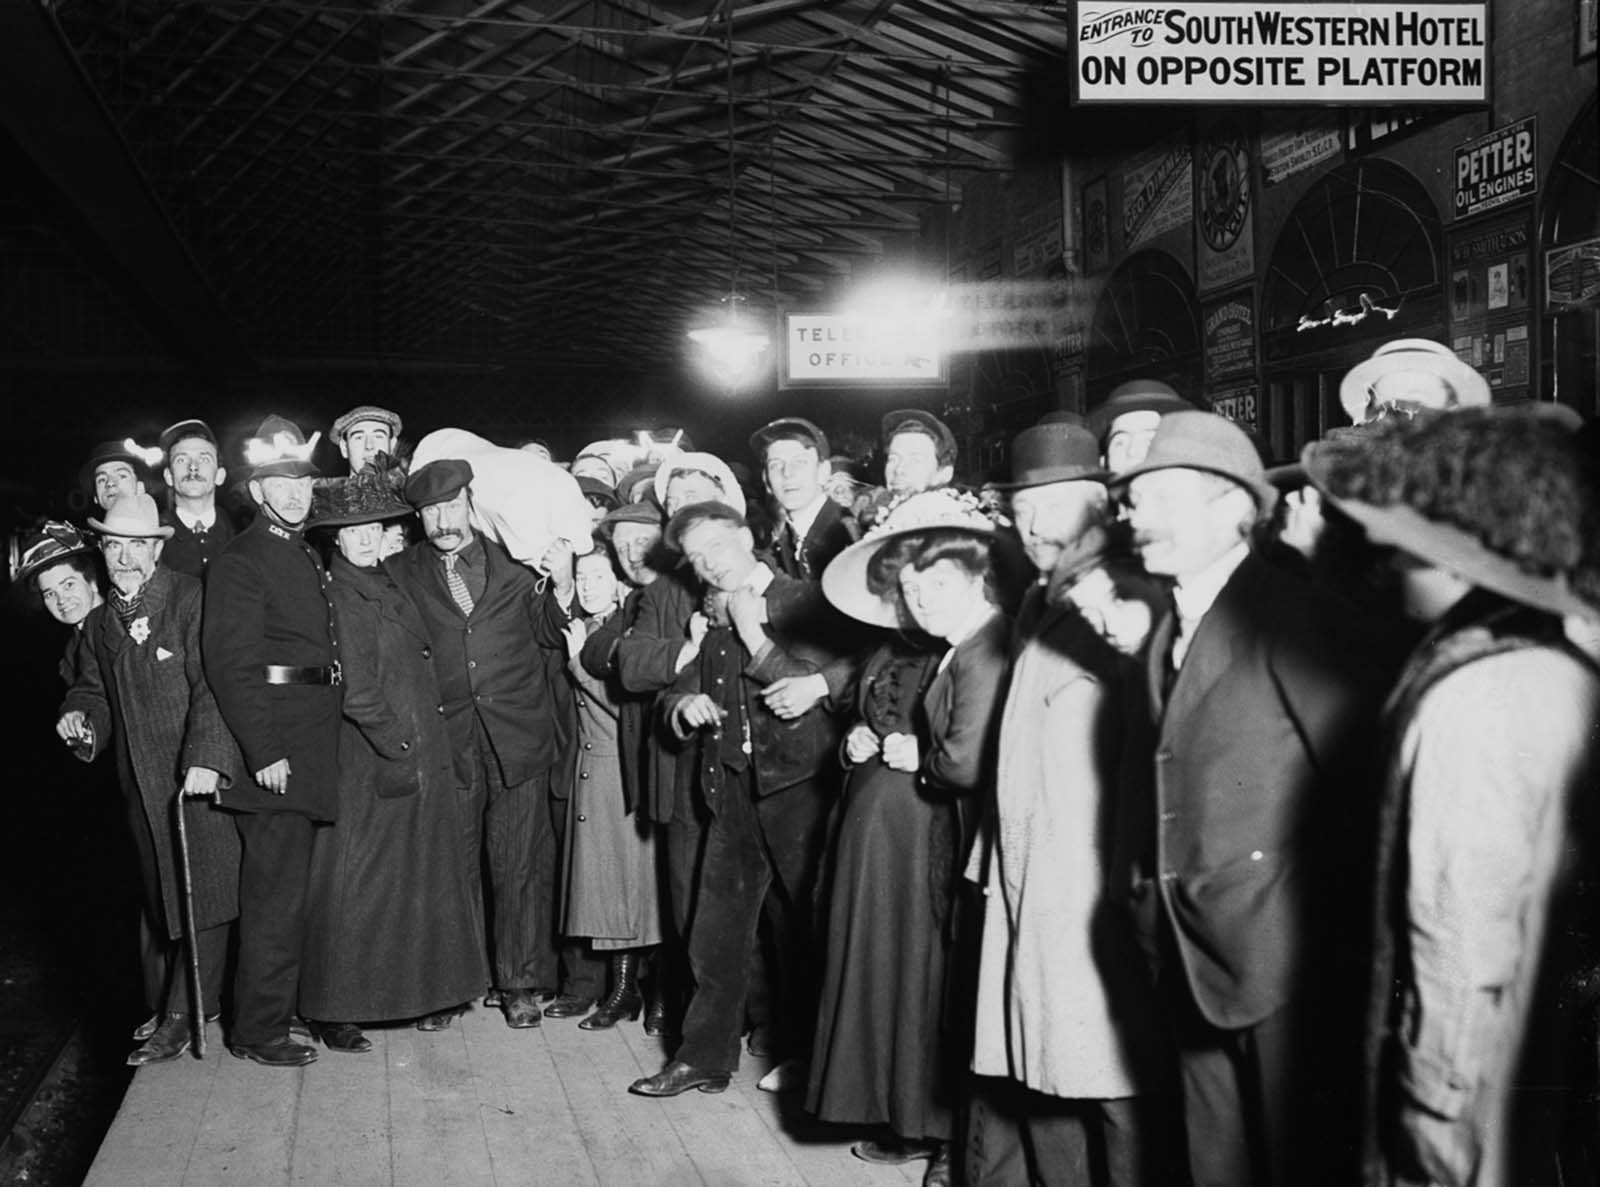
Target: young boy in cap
919	451
112	471
272	660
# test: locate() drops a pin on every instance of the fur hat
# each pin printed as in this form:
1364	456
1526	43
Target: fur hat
367	496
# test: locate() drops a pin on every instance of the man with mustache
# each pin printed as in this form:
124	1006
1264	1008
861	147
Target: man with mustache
272	661
200	528
491	620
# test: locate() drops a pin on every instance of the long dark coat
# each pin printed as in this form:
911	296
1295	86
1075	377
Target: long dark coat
147	698
646	659
392	930
600	660
266	603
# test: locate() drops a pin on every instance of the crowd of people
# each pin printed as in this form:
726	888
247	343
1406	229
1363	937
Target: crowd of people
1147	818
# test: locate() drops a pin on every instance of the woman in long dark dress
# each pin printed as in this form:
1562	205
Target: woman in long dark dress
920	749
392	931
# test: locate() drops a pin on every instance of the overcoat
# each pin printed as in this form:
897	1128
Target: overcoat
392	928
646	658
600	661
494	664
267	603
147	698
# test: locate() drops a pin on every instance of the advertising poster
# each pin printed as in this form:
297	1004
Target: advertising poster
1171	51
1491	299
1240	403
1294	142
1157	194
1497	169
1225	231
1572	276
1228	334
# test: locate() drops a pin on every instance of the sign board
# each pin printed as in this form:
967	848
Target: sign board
1491	298
1572	276
850	350
1292	144
1240	403
1156	194
1228	332
1497	169
1173	51
1225	239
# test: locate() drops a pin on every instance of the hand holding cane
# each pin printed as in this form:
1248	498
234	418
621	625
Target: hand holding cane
197	782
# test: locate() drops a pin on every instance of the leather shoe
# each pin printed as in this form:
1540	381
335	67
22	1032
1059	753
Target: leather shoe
342	1036
169	1040
284	1052
896	1150
521	1008
493	998
759	1041
679	1077
655	1018
440	1019
147	1028
939	1173
569	1005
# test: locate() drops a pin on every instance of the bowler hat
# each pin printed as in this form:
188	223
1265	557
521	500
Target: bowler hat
1137	395
367	496
54	542
280	450
1053	452
794	428
356	415
183	431
437	481
1196	440
134	516
915	420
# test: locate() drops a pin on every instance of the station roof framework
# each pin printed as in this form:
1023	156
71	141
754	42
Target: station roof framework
546	182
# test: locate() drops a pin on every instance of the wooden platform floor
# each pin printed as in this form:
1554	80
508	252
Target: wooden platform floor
478	1103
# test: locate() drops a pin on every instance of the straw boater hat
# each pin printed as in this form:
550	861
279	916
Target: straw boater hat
844	581
706	463
1414	372
368	496
1196	440
1495	496
280	450
133	516
54	542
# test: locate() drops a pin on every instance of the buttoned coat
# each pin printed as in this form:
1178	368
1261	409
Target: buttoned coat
191	552
646	659
267	603
1259	758
146	696
493	664
830	533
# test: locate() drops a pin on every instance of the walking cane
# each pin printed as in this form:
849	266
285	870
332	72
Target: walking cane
197	1023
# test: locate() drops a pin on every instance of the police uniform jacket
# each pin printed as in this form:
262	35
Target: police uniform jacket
492	666
267	603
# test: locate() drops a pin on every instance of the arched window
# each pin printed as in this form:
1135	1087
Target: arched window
1146	323
1570	243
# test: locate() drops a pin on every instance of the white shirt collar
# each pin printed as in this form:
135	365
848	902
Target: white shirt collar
197	523
760	577
1195	596
970	626
800	521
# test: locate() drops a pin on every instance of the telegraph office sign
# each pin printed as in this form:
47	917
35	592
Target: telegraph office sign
1173	51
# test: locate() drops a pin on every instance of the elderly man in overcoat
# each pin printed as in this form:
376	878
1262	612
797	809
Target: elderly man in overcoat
1264	690
272	659
140	690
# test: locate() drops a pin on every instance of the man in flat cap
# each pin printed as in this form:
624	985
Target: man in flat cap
272	660
793	454
194	474
919	451
1263	691
364	432
492	623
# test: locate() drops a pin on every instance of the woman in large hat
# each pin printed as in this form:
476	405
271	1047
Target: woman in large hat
393	932
927	710
59	565
1492	515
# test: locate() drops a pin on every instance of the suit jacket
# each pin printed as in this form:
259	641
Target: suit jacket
191	552
147	697
493	666
266	602
782	753
830	533
1257	782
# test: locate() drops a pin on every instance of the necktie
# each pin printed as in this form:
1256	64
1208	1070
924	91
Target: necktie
457	584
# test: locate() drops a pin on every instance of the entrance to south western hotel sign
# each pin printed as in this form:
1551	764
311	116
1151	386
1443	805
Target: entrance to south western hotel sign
1378	54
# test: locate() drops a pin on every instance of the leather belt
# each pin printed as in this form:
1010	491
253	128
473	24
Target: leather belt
282	674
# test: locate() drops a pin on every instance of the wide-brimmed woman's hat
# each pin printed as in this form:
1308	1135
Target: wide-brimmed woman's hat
1495	496
54	542
1411	371
705	463
133	516
367	496
844	581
